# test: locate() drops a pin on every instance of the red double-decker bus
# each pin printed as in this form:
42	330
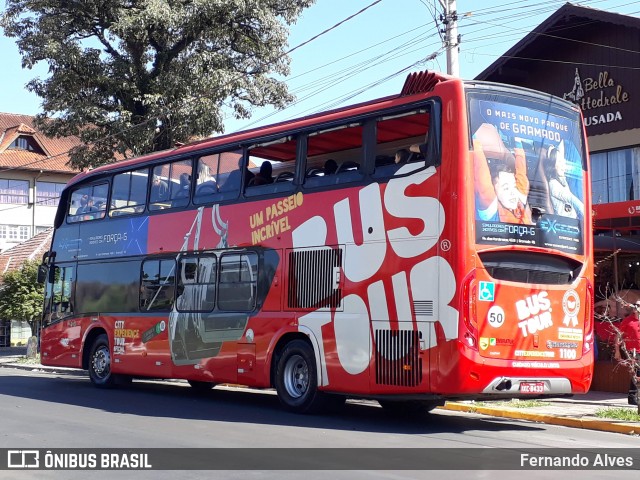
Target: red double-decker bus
431	245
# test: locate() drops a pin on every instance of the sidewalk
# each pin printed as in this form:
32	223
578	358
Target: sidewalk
576	412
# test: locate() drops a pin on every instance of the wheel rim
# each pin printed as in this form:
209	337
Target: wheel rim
101	362
296	376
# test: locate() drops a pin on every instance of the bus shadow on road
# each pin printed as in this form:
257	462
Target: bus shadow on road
176	399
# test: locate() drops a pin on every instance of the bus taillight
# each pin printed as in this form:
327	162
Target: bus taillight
588	320
469	313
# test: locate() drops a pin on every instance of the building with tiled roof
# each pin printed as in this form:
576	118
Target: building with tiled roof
33	171
29	250
14	332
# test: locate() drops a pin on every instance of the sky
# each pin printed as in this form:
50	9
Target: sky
365	57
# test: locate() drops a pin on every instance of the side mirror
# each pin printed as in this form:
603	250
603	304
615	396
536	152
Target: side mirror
43	271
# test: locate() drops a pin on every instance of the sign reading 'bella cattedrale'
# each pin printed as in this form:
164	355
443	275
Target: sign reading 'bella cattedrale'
599	98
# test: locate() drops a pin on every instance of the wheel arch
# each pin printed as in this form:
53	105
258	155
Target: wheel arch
303	334
88	342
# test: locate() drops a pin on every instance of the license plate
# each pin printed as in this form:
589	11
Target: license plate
532	387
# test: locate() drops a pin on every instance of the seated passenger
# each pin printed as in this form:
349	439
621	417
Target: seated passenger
233	180
159	190
86	205
264	175
185	185
402	156
330	167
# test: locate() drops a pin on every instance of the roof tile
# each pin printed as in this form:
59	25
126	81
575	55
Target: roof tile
32	249
12	125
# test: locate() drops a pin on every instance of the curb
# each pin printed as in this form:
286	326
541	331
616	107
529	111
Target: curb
42	368
585	423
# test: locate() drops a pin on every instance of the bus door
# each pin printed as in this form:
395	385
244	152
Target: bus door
58	317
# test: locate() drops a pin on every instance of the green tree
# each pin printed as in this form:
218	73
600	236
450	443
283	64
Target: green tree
163	67
21	296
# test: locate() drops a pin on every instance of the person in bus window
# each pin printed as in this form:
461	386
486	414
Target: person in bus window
330	167
501	189
233	181
563	201
402	156
86	205
185	185
264	175
207	184
159	189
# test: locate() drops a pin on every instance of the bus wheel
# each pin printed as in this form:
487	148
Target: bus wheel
296	379
409	408
201	387
100	363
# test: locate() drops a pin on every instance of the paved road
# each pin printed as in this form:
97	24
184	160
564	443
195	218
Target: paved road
44	410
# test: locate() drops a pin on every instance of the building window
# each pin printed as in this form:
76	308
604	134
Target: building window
23	232
21	143
14	191
48	193
14	232
615	175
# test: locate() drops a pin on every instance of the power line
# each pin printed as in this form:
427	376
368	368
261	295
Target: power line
334	26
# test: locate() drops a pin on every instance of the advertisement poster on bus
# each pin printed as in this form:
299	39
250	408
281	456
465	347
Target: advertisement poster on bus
93	240
528	176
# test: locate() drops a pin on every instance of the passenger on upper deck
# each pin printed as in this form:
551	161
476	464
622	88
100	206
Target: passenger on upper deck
402	156
330	167
86	205
233	180
159	189
185	185
264	176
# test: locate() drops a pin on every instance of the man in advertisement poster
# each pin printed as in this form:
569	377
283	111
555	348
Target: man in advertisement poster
501	182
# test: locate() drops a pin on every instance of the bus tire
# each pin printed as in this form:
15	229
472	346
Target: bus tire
100	363
296	379
408	408
201	387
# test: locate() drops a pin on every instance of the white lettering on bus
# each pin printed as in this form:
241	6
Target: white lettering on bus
362	262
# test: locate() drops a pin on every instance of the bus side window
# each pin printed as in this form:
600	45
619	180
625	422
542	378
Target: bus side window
88	203
272	167
334	156
129	192
238	282
218	177
170	185
197	283
400	139
157	285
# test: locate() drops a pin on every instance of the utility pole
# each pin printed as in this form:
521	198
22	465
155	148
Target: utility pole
451	40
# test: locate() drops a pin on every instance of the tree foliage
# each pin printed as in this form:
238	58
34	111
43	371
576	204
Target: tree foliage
21	296
163	66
